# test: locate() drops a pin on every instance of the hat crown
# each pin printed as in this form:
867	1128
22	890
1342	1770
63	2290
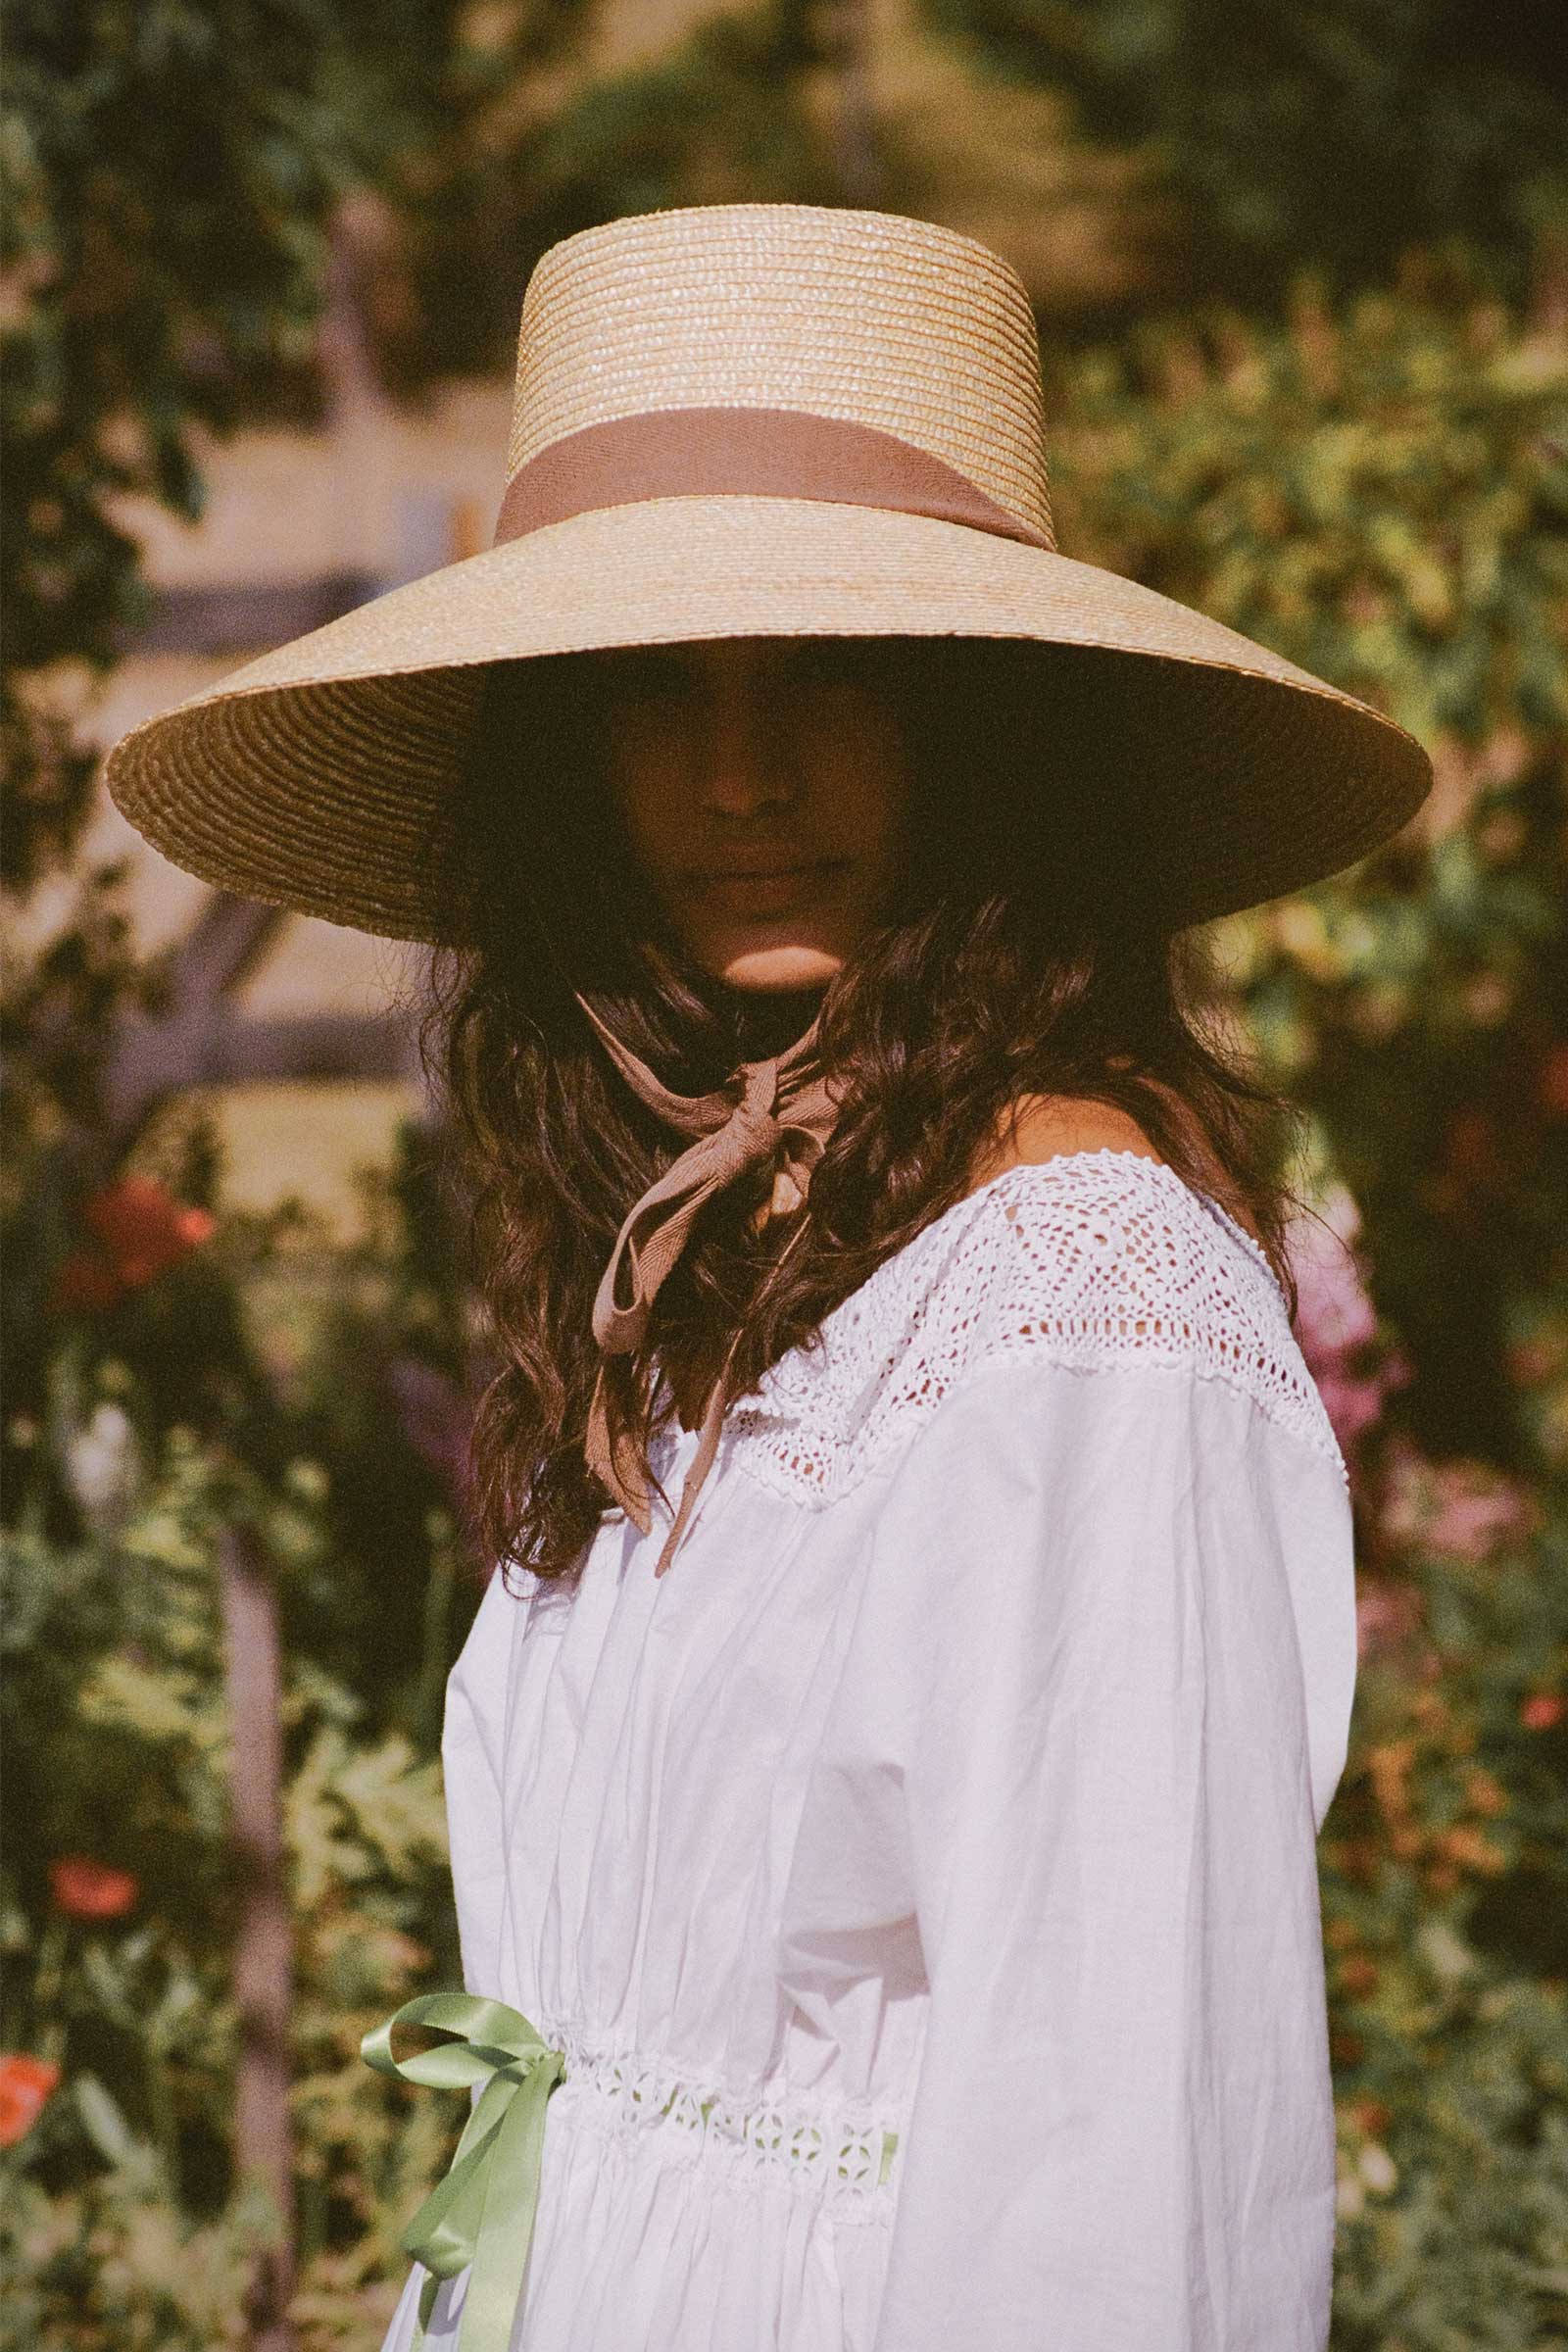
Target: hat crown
870	317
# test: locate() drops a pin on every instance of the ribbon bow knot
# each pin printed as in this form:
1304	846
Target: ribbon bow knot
753	1122
785	1114
482	2213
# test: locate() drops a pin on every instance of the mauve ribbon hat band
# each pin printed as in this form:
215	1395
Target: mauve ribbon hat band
747	453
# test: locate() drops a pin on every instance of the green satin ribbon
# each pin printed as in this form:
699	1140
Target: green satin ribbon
482	2212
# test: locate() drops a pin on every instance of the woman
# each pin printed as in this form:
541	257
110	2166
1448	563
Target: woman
897	1928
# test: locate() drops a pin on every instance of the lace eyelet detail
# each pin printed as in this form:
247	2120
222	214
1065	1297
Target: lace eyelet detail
829	2151
1094	1258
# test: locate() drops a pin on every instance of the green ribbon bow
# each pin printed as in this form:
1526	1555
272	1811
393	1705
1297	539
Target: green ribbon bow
484	2211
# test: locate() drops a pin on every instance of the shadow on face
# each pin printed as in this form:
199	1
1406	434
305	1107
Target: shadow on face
763	786
751	807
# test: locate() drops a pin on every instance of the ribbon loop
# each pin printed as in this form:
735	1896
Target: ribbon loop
480	2216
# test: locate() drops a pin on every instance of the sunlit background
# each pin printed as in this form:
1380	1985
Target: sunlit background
1300	269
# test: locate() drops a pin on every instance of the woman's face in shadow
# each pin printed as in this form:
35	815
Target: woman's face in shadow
763	785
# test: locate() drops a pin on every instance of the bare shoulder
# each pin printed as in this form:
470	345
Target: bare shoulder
1041	1127
1038	1127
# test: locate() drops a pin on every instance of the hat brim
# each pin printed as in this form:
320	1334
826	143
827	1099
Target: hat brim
314	776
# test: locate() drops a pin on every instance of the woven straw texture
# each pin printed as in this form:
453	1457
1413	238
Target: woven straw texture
857	315
315	776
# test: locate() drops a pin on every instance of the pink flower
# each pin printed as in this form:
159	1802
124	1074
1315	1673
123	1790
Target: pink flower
1336	1313
1473	1519
1386	1615
1464	1508
1337	1324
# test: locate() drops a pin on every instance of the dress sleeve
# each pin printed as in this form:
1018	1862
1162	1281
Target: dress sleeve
1114	1610
473	1730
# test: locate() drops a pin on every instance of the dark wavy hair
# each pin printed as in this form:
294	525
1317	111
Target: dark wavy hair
1027	957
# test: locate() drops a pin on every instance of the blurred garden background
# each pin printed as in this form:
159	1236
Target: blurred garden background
1301	274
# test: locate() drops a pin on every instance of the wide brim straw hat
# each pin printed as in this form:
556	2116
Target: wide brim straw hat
761	420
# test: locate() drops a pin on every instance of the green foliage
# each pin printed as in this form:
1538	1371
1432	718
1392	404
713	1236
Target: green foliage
1445	1894
1329	131
1380	494
723	116
169	173
123	2220
1377	491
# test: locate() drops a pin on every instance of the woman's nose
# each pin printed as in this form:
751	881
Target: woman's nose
747	763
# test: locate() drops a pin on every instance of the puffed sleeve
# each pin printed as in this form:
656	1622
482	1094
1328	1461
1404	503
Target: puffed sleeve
1113	1614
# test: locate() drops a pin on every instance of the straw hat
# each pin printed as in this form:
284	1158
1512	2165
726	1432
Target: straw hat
762	420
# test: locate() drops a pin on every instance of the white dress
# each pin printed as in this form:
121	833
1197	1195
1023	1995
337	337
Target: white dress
959	1783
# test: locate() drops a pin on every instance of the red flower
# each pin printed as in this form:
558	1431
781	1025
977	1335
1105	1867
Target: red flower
143	1228
26	2082
86	1285
1540	1710
90	1890
140	1231
1553	1085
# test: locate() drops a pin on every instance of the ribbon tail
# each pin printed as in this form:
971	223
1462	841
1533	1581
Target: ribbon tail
443	2232
701	1461
651	1240
428	2288
460	2227
504	2233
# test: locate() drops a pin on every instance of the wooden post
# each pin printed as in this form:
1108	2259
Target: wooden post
263	1943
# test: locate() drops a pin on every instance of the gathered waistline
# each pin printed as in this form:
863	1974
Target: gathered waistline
820	2149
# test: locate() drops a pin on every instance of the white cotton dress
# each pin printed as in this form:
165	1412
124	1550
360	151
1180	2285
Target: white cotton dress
921	1877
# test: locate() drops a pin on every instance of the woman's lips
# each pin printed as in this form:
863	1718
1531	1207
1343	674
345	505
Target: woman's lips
768	893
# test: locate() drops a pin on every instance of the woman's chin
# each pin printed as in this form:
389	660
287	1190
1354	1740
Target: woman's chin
778	965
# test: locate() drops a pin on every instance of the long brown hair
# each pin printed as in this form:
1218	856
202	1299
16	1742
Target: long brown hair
1028	956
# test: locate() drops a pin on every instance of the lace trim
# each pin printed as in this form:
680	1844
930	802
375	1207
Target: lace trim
1097	1257
827	2150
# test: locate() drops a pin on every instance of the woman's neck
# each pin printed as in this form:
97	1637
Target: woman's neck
767	1022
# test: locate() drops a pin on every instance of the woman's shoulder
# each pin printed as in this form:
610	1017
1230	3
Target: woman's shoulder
1033	1128
1095	1257
1037	1127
